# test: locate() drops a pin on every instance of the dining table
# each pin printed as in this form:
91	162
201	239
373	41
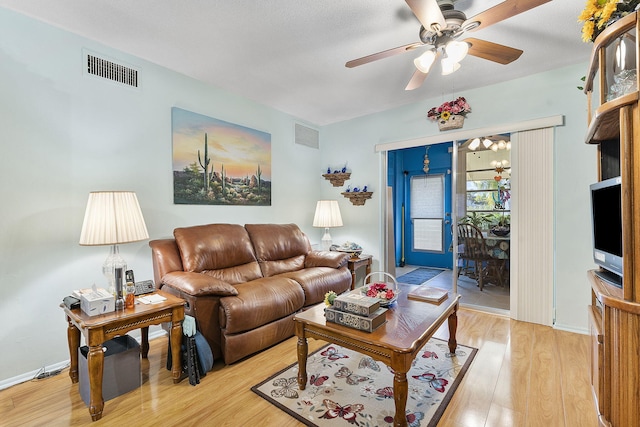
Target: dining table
499	247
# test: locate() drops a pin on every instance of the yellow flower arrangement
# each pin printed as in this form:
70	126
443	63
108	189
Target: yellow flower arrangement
598	14
329	297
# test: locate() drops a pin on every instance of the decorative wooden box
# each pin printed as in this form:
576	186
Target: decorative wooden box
357	304
363	323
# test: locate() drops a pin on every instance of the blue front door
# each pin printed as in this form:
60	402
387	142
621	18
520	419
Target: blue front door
422	205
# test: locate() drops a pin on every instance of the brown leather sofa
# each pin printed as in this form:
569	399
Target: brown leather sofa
244	284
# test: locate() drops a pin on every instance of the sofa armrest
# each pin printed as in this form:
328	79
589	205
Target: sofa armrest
332	259
198	284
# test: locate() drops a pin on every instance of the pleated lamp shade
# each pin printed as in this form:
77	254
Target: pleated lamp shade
112	217
327	215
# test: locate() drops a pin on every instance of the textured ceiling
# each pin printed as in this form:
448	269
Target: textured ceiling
290	54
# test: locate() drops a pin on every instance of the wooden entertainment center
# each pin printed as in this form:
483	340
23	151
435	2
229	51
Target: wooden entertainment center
614	314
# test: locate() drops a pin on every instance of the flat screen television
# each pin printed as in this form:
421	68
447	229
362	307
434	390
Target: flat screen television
606	220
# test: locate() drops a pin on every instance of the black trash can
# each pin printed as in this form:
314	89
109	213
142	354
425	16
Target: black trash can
121	372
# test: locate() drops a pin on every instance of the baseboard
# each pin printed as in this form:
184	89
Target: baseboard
28	376
571	329
486	309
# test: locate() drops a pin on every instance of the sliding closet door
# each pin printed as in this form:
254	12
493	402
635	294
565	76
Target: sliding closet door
532	226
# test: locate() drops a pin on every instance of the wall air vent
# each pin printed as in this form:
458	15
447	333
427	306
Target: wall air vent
110	70
307	136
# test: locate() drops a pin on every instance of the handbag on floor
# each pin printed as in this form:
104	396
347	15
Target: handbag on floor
196	355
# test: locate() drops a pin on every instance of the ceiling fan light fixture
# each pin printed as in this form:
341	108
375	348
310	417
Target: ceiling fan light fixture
449	67
425	61
456	51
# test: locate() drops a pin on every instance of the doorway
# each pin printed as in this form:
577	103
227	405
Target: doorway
532	227
421	181
421	178
483	214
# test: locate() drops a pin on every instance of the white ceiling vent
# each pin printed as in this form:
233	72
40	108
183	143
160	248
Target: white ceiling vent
107	69
307	136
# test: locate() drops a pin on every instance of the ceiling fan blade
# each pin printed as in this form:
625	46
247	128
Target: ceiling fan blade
383	54
492	51
428	13
416	80
500	12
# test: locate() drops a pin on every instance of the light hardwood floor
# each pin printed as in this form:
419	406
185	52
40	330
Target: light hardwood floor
523	375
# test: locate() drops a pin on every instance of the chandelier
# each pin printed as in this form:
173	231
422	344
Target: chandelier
493	143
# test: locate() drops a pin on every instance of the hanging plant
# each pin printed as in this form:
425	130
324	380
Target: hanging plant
451	114
457	107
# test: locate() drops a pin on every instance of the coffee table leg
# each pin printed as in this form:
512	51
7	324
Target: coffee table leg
95	364
303	348
73	339
400	392
453	327
303	351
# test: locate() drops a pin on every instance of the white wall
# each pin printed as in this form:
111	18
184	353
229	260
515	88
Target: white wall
64	134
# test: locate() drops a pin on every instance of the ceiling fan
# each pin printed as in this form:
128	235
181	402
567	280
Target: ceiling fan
442	26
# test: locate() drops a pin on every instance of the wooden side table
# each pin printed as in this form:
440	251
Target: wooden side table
101	328
355	263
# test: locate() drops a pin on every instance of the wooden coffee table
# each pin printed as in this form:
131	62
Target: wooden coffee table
410	324
101	328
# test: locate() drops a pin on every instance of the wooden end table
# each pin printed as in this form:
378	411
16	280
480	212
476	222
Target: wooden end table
101	328
410	324
355	263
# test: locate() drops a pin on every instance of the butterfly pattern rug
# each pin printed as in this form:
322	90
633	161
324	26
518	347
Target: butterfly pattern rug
347	388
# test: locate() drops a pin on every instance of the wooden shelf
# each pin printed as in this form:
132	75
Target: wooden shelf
337	179
358	197
614	314
605	124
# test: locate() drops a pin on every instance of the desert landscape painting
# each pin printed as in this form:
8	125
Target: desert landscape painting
219	163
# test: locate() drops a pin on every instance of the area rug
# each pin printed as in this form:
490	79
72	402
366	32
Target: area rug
345	387
419	275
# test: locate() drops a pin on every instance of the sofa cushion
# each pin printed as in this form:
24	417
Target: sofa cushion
332	259
216	247
259	302
317	281
198	284
278	247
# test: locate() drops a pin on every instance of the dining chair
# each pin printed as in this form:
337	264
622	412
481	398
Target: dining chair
473	248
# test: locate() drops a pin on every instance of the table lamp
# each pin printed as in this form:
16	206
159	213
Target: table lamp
327	216
111	218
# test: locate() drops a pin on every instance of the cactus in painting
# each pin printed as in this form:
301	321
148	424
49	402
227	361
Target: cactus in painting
223	177
259	175
205	165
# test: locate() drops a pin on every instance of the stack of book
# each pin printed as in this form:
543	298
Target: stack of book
356	311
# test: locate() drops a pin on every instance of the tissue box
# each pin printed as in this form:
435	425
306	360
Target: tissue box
97	302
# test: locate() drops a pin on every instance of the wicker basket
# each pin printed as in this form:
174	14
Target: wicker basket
393	286
454	122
